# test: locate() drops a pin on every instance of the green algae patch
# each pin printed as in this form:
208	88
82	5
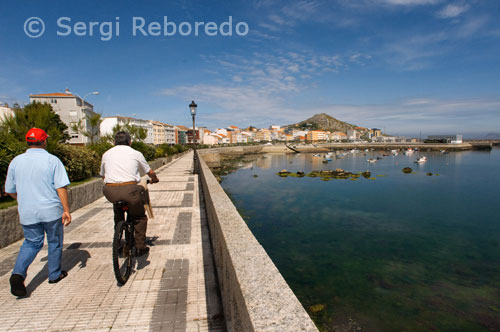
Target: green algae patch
317	307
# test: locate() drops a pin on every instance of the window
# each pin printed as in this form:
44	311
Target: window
53	101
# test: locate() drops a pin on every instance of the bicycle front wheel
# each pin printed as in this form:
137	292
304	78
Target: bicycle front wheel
122	252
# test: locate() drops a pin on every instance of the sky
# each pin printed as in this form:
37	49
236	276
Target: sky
406	66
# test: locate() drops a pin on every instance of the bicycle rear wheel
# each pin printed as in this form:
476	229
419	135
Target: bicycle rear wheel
122	252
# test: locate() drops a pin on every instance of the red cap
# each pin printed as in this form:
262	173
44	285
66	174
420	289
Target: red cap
36	135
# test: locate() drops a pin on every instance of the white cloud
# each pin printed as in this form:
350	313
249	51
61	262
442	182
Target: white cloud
453	10
412	2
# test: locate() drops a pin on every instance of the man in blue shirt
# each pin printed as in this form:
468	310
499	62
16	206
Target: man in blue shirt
38	181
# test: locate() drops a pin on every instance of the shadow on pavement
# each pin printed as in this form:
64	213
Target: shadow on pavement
70	258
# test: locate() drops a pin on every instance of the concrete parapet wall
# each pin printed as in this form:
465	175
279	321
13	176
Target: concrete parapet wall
254	294
78	196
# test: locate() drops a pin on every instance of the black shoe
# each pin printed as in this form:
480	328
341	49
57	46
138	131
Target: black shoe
141	252
17	287
63	275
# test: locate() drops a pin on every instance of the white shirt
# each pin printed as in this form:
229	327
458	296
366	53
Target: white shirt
123	164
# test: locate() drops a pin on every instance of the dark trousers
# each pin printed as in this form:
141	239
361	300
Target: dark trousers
134	195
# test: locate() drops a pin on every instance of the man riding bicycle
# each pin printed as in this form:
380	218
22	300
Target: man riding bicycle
120	169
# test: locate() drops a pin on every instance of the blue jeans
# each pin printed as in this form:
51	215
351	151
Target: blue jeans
33	243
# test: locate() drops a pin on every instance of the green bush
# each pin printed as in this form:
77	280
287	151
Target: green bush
80	162
9	148
100	147
180	148
160	153
169	150
147	150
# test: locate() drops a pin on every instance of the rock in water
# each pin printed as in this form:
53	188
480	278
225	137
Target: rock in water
407	170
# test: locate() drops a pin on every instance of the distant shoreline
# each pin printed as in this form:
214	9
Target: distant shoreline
325	147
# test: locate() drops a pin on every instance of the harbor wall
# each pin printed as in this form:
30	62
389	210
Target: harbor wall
255	296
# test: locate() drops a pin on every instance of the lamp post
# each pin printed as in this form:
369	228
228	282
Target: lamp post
192	108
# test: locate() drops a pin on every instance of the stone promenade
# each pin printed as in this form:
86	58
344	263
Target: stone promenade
173	288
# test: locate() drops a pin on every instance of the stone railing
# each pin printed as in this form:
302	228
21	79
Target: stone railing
78	196
255	296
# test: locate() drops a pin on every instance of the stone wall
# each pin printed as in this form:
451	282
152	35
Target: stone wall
254	294
78	196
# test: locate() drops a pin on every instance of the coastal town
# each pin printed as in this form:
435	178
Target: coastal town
77	113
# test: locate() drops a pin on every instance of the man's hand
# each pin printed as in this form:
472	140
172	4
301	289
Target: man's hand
152	175
66	218
63	196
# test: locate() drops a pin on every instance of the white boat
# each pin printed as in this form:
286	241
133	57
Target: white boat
316	155
409	151
421	160
372	161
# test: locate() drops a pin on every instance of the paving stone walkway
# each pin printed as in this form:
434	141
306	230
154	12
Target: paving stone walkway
173	288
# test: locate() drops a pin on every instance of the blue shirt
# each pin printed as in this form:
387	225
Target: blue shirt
34	176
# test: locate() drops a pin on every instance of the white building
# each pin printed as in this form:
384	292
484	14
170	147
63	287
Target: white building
169	134
109	122
353	135
70	109
5	112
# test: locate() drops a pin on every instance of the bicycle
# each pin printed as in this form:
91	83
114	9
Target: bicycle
124	249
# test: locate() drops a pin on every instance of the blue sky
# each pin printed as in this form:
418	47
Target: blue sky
408	66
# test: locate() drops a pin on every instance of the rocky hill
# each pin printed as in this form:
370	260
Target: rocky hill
323	121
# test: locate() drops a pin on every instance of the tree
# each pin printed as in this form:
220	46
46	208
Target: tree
94	125
137	133
40	116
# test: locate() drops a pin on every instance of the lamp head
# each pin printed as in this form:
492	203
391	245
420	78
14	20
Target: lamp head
192	107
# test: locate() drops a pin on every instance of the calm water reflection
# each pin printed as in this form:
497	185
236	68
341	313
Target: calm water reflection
402	252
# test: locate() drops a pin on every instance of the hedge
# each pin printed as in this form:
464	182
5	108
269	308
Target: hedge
80	162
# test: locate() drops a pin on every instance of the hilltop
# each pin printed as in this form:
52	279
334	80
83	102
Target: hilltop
323	121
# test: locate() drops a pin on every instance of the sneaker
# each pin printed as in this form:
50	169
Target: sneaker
141	252
63	275
17	287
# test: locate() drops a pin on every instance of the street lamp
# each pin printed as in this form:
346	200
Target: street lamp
192	108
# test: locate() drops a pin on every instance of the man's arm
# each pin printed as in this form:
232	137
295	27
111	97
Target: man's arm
153	176
63	196
13	195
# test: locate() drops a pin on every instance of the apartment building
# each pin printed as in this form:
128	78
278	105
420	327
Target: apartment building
109	122
71	110
181	134
317	135
5	112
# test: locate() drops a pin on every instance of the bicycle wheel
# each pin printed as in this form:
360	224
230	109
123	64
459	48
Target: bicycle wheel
122	252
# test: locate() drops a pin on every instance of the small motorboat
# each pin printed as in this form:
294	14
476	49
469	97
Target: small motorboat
421	160
409	151
372	160
316	155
